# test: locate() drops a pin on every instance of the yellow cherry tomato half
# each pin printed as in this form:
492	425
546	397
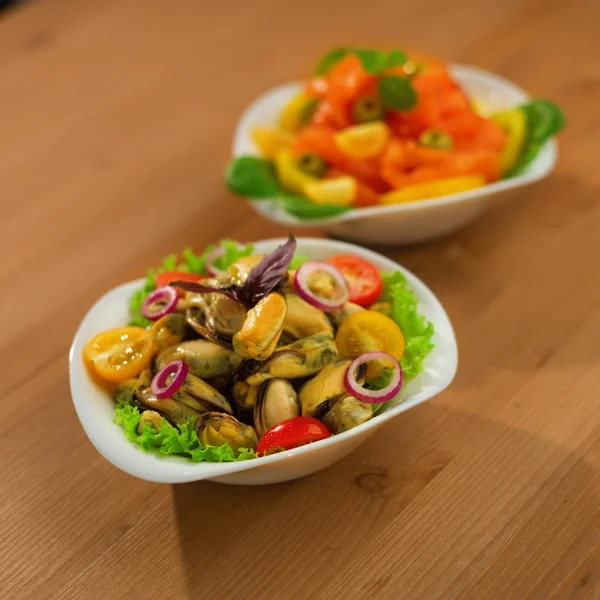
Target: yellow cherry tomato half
369	331
119	354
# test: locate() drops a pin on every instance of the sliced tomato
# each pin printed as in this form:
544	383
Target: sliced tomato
369	331
119	354
167	277
291	434
363	278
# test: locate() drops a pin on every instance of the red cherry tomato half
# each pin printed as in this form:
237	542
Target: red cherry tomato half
167	277
362	277
291	434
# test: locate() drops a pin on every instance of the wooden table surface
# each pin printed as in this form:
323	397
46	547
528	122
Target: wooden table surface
115	123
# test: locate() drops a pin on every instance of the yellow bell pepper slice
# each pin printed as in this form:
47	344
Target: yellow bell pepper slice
363	141
296	112
433	189
270	141
288	173
514	123
340	191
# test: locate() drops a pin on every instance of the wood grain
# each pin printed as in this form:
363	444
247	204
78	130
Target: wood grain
116	119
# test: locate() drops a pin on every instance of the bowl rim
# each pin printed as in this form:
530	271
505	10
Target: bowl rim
168	469
535	171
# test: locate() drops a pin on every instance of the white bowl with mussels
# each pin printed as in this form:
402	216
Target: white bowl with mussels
95	408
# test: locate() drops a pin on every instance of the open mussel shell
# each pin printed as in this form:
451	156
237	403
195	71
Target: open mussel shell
216	429
277	401
174	411
302	358
303	319
337	316
149	417
347	413
238	271
215	316
199	395
260	331
205	359
126	390
319	394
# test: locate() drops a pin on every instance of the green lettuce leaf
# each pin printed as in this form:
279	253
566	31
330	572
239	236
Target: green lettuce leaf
297	262
254	177
233	252
181	440
418	332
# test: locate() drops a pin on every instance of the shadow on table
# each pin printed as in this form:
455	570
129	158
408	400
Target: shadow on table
296	539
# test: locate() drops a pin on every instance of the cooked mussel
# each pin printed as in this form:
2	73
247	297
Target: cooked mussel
199	395
302	358
337	316
215	316
277	401
385	308
245	395
346	414
216	429
303	319
205	359
149	417
174	411
261	329
238	271
168	331
125	391
319	394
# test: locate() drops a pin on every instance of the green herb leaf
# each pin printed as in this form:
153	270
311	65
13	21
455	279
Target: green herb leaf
544	120
252	177
329	60
303	208
396	58
417	331
259	176
397	92
373	61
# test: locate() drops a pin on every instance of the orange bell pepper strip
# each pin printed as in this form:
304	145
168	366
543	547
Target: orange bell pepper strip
319	139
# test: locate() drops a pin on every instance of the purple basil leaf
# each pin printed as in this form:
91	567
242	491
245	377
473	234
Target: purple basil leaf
269	272
232	292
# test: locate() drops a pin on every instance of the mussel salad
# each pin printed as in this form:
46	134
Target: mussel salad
232	355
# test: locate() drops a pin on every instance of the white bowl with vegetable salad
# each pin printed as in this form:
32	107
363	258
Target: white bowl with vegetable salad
177	443
415	219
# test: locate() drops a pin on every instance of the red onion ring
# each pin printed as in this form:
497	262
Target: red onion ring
166	298
209	265
158	387
304	291
373	396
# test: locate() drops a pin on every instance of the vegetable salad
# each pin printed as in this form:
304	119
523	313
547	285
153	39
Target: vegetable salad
374	128
231	355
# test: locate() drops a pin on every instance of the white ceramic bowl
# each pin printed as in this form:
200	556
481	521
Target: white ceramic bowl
95	408
415	221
